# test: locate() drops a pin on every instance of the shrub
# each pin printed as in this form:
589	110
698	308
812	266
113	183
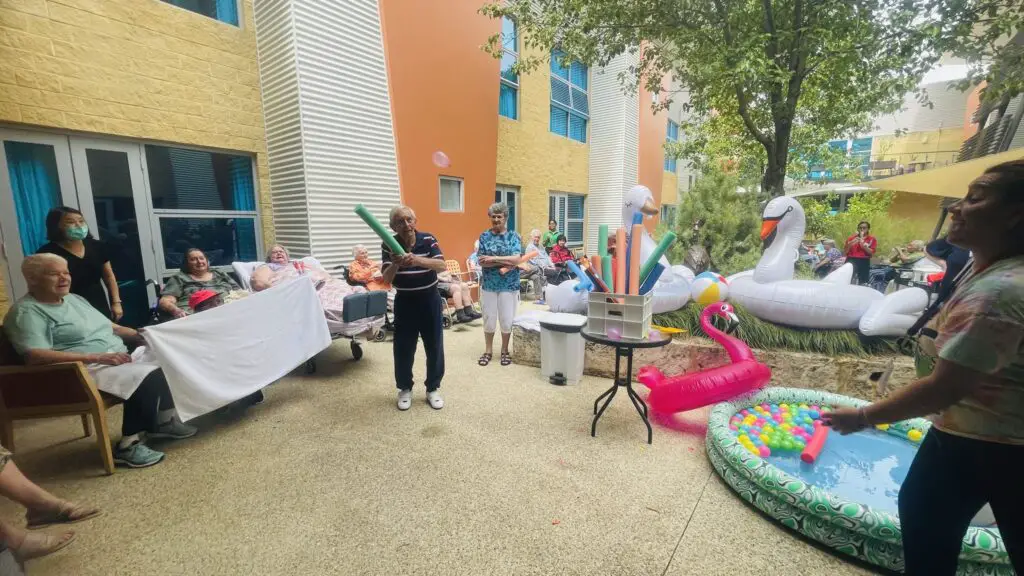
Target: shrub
732	224
872	207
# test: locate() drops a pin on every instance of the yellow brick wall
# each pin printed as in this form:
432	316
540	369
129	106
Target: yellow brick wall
669	189
534	159
937	147
138	69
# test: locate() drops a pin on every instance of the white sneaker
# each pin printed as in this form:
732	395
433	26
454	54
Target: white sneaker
404	399
435	400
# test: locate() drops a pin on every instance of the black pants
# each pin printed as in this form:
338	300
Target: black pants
861	270
950	479
140	409
418	314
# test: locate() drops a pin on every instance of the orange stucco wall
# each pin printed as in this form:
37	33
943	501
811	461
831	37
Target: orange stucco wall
444	96
651	153
973	99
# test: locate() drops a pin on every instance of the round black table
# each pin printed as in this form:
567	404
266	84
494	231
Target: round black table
624	349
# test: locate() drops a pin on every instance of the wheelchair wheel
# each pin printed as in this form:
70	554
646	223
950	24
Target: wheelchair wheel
446	321
380	336
357	350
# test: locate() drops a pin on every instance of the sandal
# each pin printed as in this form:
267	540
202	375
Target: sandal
485	359
505	359
68	513
39	544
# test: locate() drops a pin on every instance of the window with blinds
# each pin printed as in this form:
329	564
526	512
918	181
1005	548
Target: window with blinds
451	194
570	104
508	97
671	135
224	10
568	210
205	200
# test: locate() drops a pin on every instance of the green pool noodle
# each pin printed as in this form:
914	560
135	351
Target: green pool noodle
377	227
602	251
659	251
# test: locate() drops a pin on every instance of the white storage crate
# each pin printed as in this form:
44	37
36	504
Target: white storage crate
628	314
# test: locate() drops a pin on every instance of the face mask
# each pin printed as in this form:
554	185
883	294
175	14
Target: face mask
77	232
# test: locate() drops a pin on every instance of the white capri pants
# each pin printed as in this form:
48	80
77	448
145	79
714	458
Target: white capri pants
499	307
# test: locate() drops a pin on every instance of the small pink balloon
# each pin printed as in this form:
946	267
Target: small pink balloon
614	333
441	159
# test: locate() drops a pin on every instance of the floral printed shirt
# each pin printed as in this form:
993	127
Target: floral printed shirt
507	244
981	327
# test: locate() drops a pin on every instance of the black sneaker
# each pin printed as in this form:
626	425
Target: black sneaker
255	398
471	313
460	317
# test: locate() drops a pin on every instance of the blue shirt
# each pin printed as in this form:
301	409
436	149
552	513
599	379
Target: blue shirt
414	278
507	244
541	260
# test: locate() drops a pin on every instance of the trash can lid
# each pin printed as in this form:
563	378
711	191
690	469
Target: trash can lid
563	322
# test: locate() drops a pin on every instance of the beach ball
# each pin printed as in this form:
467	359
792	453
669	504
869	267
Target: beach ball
709	287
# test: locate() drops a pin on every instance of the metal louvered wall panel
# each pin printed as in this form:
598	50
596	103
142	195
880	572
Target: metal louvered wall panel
275	37
614	141
347	134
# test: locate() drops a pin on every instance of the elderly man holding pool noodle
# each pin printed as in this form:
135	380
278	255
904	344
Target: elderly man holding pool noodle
412	260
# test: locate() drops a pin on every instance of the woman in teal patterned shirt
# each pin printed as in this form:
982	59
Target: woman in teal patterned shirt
974	452
499	255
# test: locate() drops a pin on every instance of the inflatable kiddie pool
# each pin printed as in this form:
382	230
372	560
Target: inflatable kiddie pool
847	499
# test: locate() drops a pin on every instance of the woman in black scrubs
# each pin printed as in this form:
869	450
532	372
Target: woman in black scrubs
88	263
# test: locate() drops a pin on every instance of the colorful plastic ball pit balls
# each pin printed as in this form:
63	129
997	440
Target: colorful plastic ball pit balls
915	435
782	428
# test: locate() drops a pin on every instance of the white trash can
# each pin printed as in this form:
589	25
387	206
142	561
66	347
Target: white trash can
561	347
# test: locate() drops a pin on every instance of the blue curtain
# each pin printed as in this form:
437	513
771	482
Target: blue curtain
242	190
227	11
33	172
507	102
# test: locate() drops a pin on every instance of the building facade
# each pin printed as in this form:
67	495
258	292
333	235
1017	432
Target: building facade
147	117
417	113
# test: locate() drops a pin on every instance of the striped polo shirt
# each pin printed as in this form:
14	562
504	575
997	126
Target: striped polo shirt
414	278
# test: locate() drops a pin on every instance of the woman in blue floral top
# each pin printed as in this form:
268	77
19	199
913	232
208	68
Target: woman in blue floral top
499	255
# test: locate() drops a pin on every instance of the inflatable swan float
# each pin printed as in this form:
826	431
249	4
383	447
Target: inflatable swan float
673	288
770	293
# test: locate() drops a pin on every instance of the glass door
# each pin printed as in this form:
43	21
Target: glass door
509	195
108	176
35	176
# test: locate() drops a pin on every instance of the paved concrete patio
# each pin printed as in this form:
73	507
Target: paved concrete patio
327	477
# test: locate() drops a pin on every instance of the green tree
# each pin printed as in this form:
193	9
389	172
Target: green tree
768	80
732	223
991	40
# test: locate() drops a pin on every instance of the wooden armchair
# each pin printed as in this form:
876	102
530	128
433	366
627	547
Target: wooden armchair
28	392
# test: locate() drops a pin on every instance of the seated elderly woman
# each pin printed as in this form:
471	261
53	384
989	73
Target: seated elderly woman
50	325
366	271
195	275
331	291
450	287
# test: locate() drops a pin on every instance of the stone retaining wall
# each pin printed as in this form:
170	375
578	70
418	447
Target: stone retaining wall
849	375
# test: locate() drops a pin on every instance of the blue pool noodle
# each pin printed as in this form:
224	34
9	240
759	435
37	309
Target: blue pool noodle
651	279
584	280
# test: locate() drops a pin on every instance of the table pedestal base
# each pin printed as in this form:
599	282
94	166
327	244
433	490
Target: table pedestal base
624	382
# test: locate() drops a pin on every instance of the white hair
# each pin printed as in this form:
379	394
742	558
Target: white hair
398	209
33	267
498	208
534	232
357	249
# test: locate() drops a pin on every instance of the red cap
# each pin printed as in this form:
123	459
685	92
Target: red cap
200	297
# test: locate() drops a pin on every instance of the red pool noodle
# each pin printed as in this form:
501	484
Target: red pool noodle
813	449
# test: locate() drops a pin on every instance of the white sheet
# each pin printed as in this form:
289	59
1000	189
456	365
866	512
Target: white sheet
121	381
221	355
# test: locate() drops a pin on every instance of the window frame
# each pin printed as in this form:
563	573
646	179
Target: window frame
563	222
569	110
504	190
514	53
671	164
155	215
239	6
462	194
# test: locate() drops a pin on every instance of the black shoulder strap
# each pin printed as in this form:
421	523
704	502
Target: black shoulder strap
932	310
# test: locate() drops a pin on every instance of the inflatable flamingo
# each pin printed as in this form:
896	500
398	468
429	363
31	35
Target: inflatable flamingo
695	389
